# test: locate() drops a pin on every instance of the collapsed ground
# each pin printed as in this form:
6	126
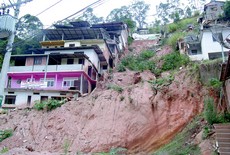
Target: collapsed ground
136	110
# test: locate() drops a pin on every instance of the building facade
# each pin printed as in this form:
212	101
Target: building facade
68	64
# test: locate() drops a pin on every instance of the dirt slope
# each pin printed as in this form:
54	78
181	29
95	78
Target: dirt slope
138	118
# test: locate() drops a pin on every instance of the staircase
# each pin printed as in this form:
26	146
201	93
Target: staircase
223	138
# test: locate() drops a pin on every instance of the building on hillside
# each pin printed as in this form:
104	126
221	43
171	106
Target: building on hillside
213	10
53	73
68	64
225	78
118	32
212	42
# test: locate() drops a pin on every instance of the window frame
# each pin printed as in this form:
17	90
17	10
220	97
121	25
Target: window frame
49	81
70	82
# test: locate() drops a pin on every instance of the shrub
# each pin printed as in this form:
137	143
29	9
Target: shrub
215	83
210	112
172	40
48	105
5	134
138	63
115	88
173	27
121	67
53	104
4	150
174	60
130	40
39	105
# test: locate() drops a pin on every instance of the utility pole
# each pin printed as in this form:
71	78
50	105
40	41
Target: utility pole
9	47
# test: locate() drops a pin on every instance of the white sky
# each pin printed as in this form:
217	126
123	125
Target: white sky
68	7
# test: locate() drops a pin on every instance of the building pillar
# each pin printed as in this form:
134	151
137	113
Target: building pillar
81	84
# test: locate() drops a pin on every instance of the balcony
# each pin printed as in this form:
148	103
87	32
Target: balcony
42	68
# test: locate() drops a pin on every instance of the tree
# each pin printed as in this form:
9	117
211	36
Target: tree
172	9
28	26
119	14
227	10
89	16
139	10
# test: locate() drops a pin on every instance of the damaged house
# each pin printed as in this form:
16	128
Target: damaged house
68	64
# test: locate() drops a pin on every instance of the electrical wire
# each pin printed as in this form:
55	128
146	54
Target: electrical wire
48	8
96	3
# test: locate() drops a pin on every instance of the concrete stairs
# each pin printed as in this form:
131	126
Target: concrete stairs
223	138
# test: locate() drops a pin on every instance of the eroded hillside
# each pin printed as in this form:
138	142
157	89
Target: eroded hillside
129	110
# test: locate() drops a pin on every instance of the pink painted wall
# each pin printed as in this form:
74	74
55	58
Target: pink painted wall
58	78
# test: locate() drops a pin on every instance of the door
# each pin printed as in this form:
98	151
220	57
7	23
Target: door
28	100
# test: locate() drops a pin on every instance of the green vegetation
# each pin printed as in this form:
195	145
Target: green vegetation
66	146
4	150
138	63
212	115
48	105
172	40
227	10
115	88
215	83
114	151
206	131
174	60
5	134
162	81
181	144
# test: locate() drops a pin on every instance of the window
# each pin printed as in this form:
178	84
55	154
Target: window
217	37
70	61
81	61
30	80
104	67
71	45
37	60
194	52
70	82
10	99
214	8
50	82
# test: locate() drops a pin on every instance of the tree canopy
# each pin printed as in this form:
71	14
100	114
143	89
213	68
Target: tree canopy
89	16
28	26
136	12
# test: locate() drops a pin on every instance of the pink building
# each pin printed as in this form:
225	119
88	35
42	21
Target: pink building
67	65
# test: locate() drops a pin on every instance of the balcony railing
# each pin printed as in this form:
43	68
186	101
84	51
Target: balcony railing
42	68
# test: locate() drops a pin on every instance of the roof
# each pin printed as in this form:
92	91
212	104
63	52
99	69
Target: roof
113	26
80	24
213	3
76	33
225	70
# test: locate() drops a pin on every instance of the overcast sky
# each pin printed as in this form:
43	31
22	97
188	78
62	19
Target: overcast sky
68	7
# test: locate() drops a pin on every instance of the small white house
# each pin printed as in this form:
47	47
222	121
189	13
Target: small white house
211	48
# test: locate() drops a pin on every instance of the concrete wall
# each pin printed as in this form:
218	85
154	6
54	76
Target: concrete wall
227	86
210	46
22	97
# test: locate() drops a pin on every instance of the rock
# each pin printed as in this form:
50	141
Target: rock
136	78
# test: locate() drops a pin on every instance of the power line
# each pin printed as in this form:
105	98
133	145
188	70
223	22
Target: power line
94	4
48	8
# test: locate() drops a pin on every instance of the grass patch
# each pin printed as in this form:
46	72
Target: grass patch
5	134
115	88
48	105
180	145
212	115
138	63
172	40
4	150
174	60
